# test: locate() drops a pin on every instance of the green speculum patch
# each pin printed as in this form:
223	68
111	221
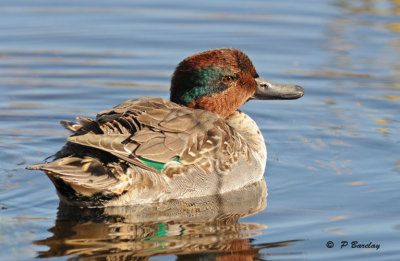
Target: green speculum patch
206	81
155	164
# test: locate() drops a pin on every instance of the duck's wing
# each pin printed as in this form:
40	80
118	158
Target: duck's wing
153	129
137	132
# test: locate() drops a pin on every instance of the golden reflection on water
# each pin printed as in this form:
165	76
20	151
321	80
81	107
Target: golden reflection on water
371	6
337	218
190	229
353	78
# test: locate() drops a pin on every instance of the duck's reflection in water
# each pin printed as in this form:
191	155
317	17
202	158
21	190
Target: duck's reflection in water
191	229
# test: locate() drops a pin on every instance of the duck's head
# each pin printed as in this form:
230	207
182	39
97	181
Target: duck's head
221	80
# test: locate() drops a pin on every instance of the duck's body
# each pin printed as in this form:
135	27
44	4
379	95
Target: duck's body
150	149
214	155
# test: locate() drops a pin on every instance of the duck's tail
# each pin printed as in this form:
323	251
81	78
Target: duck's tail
84	180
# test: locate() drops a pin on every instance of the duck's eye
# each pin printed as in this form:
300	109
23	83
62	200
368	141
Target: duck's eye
228	79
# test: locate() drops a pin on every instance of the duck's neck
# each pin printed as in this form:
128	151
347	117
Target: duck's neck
249	130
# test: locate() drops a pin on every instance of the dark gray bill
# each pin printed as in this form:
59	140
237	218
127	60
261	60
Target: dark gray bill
271	91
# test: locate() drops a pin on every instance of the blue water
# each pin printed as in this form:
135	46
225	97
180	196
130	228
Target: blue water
333	169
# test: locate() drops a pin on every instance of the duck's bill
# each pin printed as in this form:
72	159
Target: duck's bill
271	91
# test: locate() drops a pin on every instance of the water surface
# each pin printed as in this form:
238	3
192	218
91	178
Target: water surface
333	169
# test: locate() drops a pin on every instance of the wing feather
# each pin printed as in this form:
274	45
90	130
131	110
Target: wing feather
149	128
